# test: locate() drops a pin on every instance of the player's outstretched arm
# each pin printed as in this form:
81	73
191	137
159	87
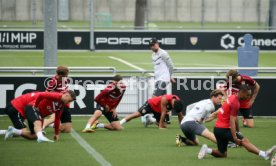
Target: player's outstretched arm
212	116
163	112
255	93
233	128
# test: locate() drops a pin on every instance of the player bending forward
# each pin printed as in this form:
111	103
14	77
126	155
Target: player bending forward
227	128
245	105
159	106
34	107
59	83
196	114
107	101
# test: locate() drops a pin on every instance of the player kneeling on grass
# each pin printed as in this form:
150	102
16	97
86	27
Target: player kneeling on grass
227	128
196	114
59	83
159	106
34	107
107	101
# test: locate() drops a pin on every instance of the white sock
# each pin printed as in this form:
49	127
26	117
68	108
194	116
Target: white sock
262	154
87	126
39	134
209	150
152	120
123	121
17	131
100	125
3	132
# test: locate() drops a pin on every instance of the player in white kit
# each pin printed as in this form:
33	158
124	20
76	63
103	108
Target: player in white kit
196	114
163	70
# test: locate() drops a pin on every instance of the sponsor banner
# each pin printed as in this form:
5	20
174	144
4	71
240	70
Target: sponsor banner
192	90
138	40
86	89
21	40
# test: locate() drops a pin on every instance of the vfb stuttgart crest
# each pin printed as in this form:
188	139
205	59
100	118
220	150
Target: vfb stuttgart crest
77	39
193	40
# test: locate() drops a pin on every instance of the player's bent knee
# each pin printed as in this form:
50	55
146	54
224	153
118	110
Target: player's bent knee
66	127
116	126
98	113
250	125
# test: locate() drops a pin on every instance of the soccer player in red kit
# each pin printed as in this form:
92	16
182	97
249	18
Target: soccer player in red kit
227	128
107	101
234	81
59	83
34	107
159	106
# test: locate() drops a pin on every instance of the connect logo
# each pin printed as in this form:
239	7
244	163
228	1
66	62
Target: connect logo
227	41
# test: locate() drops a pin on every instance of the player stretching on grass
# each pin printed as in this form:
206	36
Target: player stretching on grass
245	105
107	101
59	83
227	128
159	106
196	114
34	107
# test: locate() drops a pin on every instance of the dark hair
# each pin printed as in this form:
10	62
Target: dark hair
244	87
72	94
177	106
117	78
216	93
153	41
62	70
232	73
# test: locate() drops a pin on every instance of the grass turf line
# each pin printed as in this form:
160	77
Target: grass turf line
135	145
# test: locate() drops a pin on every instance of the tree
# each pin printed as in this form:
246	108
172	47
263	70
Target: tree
140	13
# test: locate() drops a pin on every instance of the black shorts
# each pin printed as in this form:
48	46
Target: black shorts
246	113
66	115
192	128
16	118
223	136
146	109
160	88
32	115
107	114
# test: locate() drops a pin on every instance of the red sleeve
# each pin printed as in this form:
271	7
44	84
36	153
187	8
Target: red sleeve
234	106
103	94
57	121
47	95
249	80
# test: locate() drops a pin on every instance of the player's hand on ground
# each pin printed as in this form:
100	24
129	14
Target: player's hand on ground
238	141
173	80
56	138
162	128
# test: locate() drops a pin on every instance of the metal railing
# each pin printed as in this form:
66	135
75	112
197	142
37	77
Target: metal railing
113	70
35	70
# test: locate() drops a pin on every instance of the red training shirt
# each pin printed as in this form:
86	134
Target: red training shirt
155	102
111	96
229	108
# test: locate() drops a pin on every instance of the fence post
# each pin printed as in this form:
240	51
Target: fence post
50	35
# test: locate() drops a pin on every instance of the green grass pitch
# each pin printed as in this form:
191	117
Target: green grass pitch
134	146
140	59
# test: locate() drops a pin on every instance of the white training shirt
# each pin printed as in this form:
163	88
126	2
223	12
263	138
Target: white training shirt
199	111
163	66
